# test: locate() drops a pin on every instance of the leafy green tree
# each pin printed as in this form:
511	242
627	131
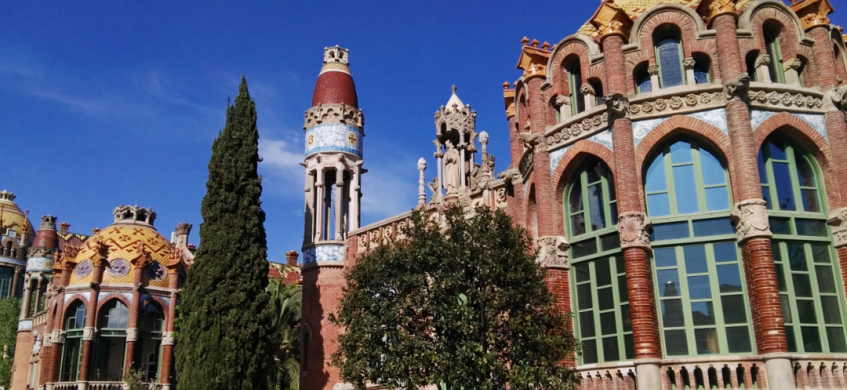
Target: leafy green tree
10	309
461	302
226	335
286	304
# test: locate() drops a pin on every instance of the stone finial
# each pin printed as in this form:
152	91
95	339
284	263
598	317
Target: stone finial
524	41
134	215
534	43
336	54
291	258
610	20
7	196
48	222
812	13
421	182
183	228
711	9
545	45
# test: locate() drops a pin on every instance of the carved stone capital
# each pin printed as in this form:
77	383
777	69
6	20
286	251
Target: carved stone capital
688	63
838	221
617	106
334	113
563	100
553	252
511	175
762	60
58	336
653	70
87	333
793	63
736	88
750	218
634	230
131	334
168	338
536	142
710	9
586	89
48	340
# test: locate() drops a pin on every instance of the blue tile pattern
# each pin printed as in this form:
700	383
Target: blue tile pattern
816	121
39	264
716	117
24	324
334	137
323	252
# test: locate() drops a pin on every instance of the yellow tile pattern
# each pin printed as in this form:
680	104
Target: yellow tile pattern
123	241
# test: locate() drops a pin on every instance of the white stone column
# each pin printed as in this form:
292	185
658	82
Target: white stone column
26	298
688	65
38	293
339	202
653	71
462	168
762	66
309	208
421	182
354	196
790	69
587	92
564	104
319	203
439	162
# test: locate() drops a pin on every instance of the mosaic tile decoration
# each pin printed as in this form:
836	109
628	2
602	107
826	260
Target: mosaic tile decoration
716	117
817	121
556	156
641	128
39	264
334	137
323	252
103	294
24	324
759	116
69	297
603	138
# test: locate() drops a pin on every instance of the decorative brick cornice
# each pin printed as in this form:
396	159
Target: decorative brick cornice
838	221
634	230
553	252
710	9
812	13
334	113
617	106
610	20
750	218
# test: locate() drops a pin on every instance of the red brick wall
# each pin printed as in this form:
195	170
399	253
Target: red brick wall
23	353
322	291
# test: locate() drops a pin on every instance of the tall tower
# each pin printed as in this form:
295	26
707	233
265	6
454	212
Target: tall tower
334	132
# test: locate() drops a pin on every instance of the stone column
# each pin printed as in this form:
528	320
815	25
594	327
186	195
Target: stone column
688	65
132	321
90	320
762	66
309	205
37	293
588	96
750	212
339	203
319	204
421	182
25	301
633	223
541	158
653	71
462	168
15	281
354	196
563	102
439	157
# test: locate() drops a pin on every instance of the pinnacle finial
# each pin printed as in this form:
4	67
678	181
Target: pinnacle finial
453	88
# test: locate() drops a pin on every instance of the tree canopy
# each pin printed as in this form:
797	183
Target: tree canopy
286	305
10	309
461	301
226	335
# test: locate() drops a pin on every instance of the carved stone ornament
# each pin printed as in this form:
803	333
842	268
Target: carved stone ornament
689	63
563	100
634	230
40	252
812	13
553	252
750	218
48	340
586	89
334	113
609	19
168	338
835	100
617	106
535	142
762	60
653	70
511	175
131	334
58	336
709	9
838	221
793	63
736	88
785	99
87	333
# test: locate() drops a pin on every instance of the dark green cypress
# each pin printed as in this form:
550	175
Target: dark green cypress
226	340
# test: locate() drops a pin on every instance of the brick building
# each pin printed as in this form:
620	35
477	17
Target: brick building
681	166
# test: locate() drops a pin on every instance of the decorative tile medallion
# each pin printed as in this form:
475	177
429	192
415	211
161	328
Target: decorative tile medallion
119	267
323	252
334	137
83	269
156	271
39	264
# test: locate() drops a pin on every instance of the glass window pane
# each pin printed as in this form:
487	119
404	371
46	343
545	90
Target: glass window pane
610	349
575	200
806	311
835	339
595	170
610	241
629	346
672	313
725	252
810	201
676	343
777	149
786	308
763	176
712	227
644	83
784	187
707	341
577	224
698	287
729	279
820	253
584	248
597	211
797	257
702	313
626	318
656	175
586	324
831	310
589	352
605	298
608	323
717	198
701	74
802	286
826	282
686	190
658	205
583	293
713	172
811	339
669	62
668	283
623	294
766	195
733	309
603	272
670	231
789	337
805	174
665	257
582	272
738	339
695	259
680	152
780	278
780	225
811	227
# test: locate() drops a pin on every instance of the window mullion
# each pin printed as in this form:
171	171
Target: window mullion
788	278
595	311
586	207
698	178
669	182
680	59
717	299
816	292
771	180
795	181
688	323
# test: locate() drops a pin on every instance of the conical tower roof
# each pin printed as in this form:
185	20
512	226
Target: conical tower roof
335	83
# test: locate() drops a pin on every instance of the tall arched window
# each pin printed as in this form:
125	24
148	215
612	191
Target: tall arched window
72	350
702	68
699	287
601	302
574	72
151	324
810	290
110	346
771	31
668	46
642	79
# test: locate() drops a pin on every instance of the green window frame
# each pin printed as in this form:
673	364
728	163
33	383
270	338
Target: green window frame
660	60
772	47
603	323
591	204
574	71
811	291
111	340
72	349
702	299
6	276
151	325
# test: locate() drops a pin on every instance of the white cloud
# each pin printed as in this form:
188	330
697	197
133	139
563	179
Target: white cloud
280	157
387	190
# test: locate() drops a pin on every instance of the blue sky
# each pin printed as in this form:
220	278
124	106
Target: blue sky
111	102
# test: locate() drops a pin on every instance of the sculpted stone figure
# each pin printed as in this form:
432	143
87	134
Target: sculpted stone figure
750	218
736	88
452	179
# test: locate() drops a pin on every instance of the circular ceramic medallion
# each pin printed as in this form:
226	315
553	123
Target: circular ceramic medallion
310	140
119	267
48	264
156	271
352	139
83	268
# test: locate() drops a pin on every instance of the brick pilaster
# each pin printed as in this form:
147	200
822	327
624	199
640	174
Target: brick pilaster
322	292
541	159
639	278
515	203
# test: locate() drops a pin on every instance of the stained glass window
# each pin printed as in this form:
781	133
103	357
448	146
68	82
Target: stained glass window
669	58
701	71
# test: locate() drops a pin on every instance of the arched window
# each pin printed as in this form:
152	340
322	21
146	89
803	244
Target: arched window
811	292
597	86
574	72
642	79
6	276
696	262
668	48
601	302
110	346
151	324
750	60
702	69
72	350
771	31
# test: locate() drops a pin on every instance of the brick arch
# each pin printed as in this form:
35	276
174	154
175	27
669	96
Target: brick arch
632	61
521	104
811	76
572	159
111	296
686	25
788	36
679	125
801	133
708	49
556	68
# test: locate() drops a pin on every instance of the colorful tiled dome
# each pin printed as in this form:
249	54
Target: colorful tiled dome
335	83
12	217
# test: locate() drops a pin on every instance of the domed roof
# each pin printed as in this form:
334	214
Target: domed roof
12	217
335	83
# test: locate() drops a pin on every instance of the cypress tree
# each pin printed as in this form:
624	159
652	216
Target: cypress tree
226	340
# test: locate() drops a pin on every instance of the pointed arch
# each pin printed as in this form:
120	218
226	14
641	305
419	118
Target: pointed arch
572	159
